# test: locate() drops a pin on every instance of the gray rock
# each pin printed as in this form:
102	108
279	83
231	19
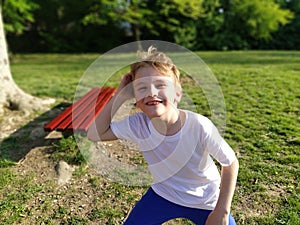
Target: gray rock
64	172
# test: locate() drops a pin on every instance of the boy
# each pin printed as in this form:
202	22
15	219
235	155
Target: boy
177	145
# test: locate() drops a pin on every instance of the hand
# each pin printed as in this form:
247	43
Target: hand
125	87
217	218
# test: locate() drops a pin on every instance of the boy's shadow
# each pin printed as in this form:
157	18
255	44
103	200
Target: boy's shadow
18	144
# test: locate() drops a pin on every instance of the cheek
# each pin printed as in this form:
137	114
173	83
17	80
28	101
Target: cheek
139	104
168	93
138	96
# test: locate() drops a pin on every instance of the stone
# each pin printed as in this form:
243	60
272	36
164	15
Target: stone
64	172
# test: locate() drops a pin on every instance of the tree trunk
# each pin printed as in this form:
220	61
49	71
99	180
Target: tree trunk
11	96
137	35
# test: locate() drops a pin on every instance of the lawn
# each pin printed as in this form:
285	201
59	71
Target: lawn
262	95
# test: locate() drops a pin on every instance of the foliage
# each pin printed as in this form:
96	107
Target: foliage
93	26
287	37
240	24
128	15
260	18
174	13
186	35
65	27
178	19
137	17
18	14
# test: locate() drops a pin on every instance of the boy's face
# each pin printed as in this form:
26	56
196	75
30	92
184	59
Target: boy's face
156	94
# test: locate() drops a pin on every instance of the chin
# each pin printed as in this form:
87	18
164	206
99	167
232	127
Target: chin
154	114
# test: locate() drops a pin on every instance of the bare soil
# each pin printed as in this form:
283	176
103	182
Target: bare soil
86	191
87	197
76	197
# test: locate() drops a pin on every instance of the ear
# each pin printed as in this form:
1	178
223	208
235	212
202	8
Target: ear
178	94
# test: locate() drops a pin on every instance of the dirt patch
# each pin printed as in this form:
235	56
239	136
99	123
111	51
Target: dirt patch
32	150
83	196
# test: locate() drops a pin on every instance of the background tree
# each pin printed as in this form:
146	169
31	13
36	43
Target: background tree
288	36
177	18
129	16
246	22
209	28
11	95
147	19
100	25
73	26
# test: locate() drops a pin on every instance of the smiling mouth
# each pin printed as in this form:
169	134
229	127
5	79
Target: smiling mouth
154	102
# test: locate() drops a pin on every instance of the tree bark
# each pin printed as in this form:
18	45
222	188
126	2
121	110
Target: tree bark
11	96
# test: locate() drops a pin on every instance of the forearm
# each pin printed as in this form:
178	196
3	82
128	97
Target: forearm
100	129
103	120
228	183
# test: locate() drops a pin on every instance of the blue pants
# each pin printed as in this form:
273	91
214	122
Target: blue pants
155	210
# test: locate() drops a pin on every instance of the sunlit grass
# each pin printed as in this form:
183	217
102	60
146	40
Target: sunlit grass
262	96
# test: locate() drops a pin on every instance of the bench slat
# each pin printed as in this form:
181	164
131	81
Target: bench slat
89	109
101	102
68	120
80	115
61	117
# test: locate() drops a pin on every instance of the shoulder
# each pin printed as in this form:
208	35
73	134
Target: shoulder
139	117
131	128
198	119
199	124
138	121
132	120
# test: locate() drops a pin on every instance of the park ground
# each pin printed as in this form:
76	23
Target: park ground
262	95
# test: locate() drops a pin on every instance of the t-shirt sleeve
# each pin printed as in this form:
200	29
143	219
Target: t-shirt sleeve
122	129
217	147
131	128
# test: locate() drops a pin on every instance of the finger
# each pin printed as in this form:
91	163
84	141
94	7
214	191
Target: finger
129	76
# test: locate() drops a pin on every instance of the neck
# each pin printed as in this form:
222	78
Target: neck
169	126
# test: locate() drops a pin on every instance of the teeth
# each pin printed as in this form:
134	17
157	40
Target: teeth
153	103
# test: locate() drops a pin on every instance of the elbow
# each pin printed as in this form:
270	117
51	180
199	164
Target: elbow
233	168
92	135
235	164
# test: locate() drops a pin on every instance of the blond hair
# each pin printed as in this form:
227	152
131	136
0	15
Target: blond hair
159	61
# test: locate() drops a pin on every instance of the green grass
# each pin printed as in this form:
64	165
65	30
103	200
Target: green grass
50	75
263	125
68	151
262	95
15	193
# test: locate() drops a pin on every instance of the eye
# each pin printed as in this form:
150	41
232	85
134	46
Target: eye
142	88
161	85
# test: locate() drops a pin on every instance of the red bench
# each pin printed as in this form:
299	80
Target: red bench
79	116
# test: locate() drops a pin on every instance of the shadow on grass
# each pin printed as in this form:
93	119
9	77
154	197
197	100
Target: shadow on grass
18	144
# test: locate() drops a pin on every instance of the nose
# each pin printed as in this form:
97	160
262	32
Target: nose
152	91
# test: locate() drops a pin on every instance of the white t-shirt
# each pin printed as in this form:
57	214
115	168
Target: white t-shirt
181	165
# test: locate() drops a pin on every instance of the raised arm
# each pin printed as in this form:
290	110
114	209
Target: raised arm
100	129
219	215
